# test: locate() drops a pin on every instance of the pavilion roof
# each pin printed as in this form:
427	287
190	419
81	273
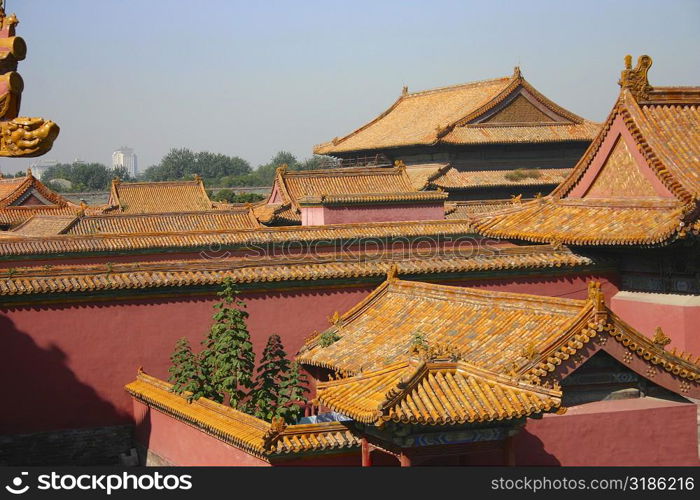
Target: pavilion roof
159	197
521	336
435	392
637	184
497	111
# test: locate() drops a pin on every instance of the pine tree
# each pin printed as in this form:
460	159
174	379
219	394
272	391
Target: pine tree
228	360
291	404
273	370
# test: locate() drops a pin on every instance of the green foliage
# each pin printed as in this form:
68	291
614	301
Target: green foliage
272	371
522	174
292	401
228	358
223	370
328	337
184	369
418	341
184	164
230	196
84	176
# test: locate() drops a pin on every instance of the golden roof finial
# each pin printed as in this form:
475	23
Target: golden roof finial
636	80
29	172
282	169
404	91
660	338
116	181
393	273
197	177
516	72
399	164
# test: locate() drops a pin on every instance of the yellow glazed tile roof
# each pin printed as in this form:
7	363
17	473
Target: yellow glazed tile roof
435	393
159	197
248	433
466	209
203	240
213	220
453	179
45	225
13	188
15	215
518	335
472	113
620	207
319	266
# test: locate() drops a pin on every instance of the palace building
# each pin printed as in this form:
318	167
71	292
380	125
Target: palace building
500	137
439	322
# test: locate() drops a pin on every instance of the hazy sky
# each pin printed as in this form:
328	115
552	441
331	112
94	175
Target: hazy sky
251	78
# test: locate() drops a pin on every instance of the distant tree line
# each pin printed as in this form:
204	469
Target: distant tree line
82	176
217	170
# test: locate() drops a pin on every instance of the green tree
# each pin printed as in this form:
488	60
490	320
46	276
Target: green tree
272	372
228	359
184	369
291	404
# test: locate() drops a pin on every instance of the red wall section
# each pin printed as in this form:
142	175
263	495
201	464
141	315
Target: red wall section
677	315
316	216
632	432
182	444
65	366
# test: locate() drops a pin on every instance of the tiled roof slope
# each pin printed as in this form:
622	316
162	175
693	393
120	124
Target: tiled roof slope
213	220
241	238
243	431
637	186
12	190
159	197
318	266
435	393
45	225
466	209
502	110
523	336
455	180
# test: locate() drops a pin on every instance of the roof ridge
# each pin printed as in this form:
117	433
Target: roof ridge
456	86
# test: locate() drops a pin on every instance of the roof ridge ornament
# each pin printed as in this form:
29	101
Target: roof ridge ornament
404	90
517	73
636	80
660	338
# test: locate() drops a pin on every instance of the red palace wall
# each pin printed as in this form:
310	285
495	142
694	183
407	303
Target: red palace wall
677	315
65	366
634	432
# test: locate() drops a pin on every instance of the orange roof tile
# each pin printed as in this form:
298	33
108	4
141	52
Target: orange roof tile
248	433
13	189
45	225
454	180
628	200
522	336
502	110
435	393
16	215
63	279
216	220
159	197
240	238
466	209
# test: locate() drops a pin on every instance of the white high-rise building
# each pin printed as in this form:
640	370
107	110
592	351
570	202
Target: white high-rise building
40	167
125	157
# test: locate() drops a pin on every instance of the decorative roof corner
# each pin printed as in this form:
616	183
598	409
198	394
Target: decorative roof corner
516	73
636	80
404	90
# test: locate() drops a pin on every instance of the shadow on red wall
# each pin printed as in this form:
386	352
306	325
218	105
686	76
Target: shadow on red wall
30	372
